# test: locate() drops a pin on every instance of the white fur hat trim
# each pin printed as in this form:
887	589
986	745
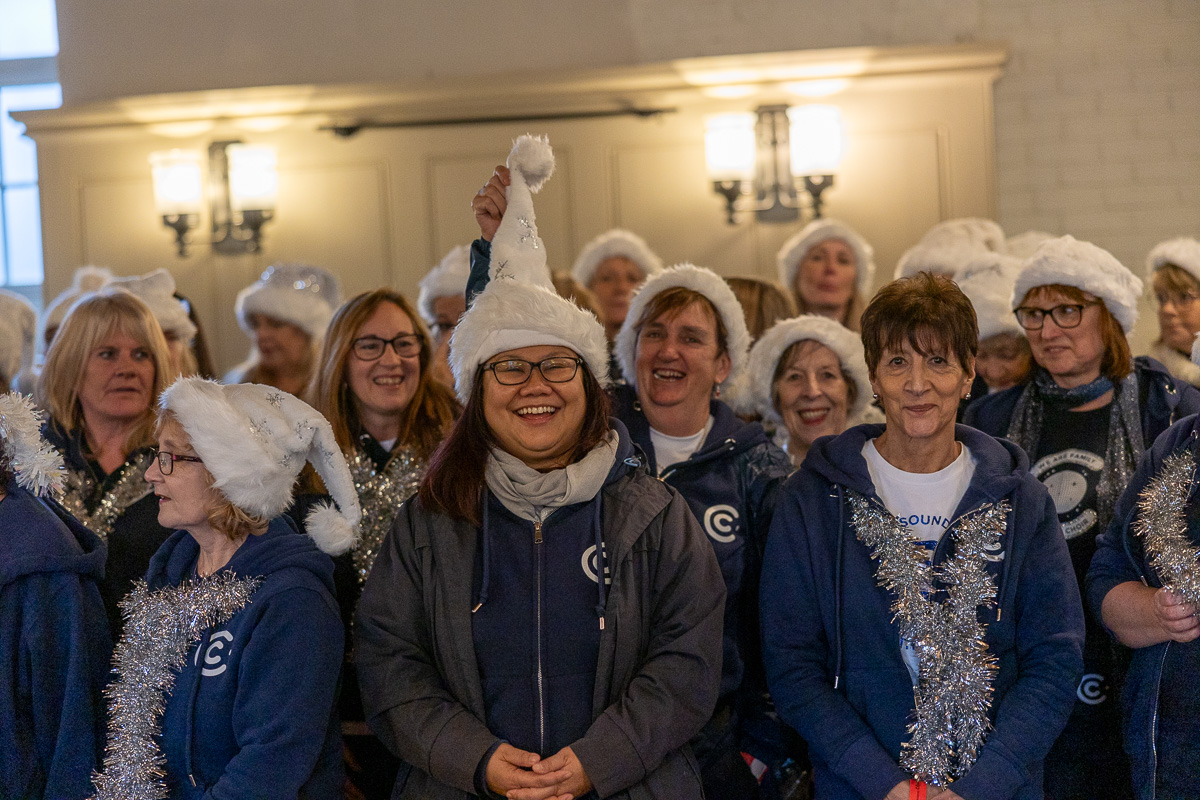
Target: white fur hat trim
698	279
1023	245
1070	262
301	294
447	279
517	250
85	279
944	258
613	244
18	326
983	234
1182	252
987	281
36	465
510	314
157	290
255	440
754	392
819	230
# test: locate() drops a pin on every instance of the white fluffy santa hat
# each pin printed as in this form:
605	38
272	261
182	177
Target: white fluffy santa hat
1023	245
157	290
819	230
18	326
301	294
519	307
447	279
987	280
1069	262
35	464
255	440
1182	252
980	233
613	244
946	257
754	394
702	281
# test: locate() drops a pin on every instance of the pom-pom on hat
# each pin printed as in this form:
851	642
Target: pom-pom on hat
819	230
977	232
945	258
519	307
987	280
1070	262
18	325
517	250
36	465
755	390
304	295
255	440
157	290
447	279
85	279
1182	252
703	281
1023	245
613	244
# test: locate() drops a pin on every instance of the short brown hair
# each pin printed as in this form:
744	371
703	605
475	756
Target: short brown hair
928	311
672	301
454	482
1117	362
763	302
224	516
1174	280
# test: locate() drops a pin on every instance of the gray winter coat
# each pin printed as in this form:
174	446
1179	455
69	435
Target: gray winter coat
657	674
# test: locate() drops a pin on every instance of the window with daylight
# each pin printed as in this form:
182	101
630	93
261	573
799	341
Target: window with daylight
28	81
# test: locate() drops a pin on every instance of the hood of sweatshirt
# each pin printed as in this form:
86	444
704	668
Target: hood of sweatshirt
39	535
280	547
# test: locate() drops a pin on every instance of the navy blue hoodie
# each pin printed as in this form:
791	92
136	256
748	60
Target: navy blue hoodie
1120	558
831	647
54	650
252	712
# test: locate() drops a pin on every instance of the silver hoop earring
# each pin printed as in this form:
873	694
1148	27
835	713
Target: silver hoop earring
874	397
967	396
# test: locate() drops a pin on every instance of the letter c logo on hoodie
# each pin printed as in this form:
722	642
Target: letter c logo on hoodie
213	653
720	522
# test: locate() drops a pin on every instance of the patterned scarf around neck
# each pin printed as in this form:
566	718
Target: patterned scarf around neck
1125	442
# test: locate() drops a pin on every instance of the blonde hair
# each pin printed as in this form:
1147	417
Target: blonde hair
763	302
224	517
92	320
571	289
433	407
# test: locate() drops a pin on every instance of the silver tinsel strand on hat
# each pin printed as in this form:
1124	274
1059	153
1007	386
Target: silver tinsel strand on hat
36	465
160	628
129	487
380	494
1163	527
956	670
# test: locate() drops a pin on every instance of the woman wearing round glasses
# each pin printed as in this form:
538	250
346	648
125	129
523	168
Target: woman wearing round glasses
374	384
1085	417
1174	271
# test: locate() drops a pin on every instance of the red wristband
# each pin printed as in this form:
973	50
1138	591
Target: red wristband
917	790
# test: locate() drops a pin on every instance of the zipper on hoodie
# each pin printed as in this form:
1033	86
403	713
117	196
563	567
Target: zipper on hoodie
728	446
537	542
1154	726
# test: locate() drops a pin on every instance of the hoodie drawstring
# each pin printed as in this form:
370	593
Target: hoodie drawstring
191	711
837	590
487	561
601	561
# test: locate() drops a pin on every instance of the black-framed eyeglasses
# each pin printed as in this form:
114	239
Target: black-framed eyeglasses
515	371
1068	315
371	348
166	461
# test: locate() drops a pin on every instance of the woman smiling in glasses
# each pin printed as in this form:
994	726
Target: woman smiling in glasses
375	386
1085	418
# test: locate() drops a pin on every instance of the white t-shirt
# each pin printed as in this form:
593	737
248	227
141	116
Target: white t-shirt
922	502
670	450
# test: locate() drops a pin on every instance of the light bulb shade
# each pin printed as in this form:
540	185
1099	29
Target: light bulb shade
178	181
729	149
818	139
253	177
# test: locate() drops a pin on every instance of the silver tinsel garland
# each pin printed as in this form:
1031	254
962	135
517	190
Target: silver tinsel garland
35	464
956	670
129	487
380	494
160	629
1162	525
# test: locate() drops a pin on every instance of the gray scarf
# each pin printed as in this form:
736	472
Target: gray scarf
533	495
1122	453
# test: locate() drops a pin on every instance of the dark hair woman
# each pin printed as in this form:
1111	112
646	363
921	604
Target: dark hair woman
545	617
1085	417
900	568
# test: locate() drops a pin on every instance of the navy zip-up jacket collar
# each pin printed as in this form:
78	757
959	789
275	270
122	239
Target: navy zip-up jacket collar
831	646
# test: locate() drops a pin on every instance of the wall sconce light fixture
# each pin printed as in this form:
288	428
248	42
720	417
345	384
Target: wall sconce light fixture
771	155
243	186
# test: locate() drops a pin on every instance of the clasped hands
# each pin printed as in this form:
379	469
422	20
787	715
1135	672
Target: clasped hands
521	775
